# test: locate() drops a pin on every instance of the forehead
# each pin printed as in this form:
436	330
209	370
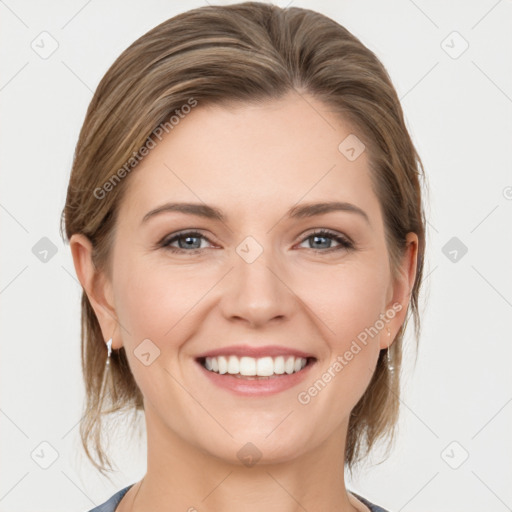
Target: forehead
273	155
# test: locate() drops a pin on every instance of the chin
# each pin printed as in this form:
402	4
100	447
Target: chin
254	449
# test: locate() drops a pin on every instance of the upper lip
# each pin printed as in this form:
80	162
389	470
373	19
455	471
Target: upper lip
256	352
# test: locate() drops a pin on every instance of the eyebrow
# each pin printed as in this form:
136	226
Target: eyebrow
296	212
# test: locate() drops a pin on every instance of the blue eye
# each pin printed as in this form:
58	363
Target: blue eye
190	241
188	237
324	235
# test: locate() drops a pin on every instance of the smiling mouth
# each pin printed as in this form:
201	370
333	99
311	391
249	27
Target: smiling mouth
251	368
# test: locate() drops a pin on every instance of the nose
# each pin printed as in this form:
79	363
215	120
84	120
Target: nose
256	292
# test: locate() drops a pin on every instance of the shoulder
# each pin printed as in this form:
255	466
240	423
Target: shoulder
111	504
371	506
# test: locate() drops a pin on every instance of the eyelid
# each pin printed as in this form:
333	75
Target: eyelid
345	243
167	239
327	231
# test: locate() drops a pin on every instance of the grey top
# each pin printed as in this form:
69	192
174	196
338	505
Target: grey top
111	504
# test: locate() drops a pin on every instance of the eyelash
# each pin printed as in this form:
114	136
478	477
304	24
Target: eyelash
344	242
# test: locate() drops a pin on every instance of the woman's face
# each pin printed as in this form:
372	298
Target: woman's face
256	284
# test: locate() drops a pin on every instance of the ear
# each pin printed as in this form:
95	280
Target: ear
96	286
399	292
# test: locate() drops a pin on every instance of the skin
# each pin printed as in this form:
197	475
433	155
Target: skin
254	162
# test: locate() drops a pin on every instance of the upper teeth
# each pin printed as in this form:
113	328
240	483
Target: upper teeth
262	367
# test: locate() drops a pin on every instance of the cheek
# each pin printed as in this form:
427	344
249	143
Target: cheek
154	300
153	305
348	308
348	311
348	300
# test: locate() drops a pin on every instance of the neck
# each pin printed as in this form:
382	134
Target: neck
182	477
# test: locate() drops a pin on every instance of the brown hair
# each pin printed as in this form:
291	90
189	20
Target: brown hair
248	52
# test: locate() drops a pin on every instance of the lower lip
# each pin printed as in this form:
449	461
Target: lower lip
257	387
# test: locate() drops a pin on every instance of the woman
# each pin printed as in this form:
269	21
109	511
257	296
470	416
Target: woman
245	217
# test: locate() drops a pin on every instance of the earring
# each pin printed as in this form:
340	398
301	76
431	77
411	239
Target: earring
107	374
390	363
109	347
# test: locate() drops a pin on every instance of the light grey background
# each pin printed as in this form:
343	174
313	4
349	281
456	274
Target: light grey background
456	403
